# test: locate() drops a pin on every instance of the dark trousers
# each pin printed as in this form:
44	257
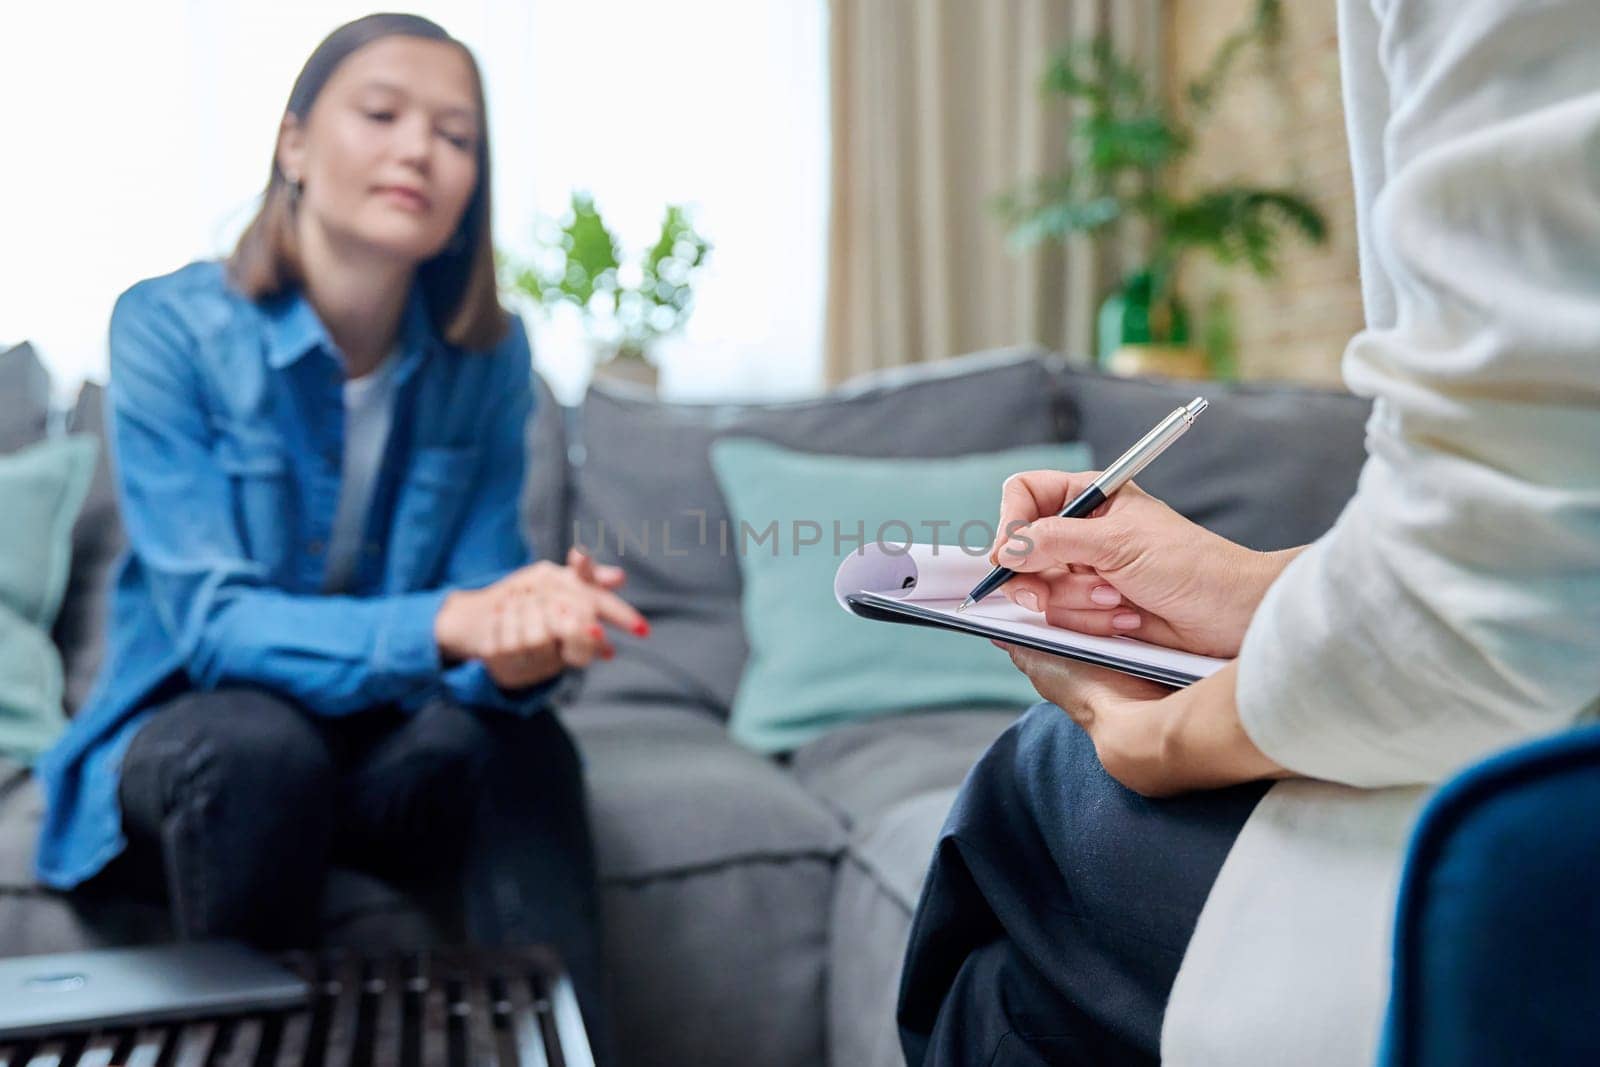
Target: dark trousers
1058	907
236	801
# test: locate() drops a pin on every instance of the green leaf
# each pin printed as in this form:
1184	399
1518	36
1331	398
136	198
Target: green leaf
579	261
1242	224
1140	142
1093	71
1124	138
1050	221
664	295
592	257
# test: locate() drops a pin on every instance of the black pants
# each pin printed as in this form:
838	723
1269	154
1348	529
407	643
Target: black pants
237	801
1058	907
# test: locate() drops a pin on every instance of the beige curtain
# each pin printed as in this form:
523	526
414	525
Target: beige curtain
936	108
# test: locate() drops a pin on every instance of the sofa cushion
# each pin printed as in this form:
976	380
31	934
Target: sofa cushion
724	966
879	881
25	385
21	807
643	470
97	541
861	771
596	718
34	919
35	922
670	794
716	873
893	782
1269	466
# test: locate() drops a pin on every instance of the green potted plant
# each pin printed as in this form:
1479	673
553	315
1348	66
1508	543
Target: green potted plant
1123	153
578	261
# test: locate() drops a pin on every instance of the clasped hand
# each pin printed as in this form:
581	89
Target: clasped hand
538	620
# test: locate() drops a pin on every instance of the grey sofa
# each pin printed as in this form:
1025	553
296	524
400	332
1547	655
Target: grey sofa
756	908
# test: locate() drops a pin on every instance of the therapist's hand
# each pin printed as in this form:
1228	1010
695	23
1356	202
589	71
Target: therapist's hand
1156	741
1134	567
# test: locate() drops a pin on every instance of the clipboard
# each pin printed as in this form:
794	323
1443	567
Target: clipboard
921	585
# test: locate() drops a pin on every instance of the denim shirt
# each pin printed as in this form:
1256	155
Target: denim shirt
225	420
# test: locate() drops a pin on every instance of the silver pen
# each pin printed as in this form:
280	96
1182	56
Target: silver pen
1111	479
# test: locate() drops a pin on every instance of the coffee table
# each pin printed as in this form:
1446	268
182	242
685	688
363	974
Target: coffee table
460	1007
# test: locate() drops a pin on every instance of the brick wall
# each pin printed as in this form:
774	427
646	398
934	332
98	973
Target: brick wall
1280	122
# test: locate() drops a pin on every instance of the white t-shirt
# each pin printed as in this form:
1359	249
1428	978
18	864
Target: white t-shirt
368	414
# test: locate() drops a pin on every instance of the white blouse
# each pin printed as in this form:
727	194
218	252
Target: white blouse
1454	609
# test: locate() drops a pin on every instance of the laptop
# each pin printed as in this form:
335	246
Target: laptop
134	986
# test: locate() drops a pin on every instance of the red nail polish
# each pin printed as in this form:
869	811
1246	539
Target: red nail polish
642	630
608	653
596	632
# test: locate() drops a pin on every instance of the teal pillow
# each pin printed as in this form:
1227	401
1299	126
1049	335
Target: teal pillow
42	488
813	666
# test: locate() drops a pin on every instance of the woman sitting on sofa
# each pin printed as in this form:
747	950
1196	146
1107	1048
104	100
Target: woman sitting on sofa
1126	874
328	643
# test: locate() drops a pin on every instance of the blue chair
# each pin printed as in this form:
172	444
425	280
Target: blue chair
1497	936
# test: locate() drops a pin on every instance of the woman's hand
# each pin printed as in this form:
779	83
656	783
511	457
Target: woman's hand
537	621
1153	740
1134	567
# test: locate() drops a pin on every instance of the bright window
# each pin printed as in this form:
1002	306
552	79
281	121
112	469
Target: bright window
138	137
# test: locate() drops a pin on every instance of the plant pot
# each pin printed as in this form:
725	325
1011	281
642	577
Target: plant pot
632	369
1161	361
1144	324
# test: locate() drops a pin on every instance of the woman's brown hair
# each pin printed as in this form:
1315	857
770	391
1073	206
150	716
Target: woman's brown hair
458	283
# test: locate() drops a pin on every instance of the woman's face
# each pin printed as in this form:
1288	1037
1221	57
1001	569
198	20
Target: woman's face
388	153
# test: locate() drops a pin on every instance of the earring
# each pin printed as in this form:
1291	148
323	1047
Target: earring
296	188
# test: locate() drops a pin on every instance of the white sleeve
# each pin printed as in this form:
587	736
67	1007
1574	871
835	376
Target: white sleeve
1455	606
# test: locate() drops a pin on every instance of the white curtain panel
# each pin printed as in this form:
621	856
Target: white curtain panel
936	110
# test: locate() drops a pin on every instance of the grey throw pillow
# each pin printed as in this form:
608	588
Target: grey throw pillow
24	398
545	487
97	542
